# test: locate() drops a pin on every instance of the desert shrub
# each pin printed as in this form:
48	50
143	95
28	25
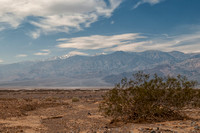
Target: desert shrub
75	99
28	107
147	98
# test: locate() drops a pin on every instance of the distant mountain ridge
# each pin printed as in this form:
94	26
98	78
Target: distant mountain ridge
99	70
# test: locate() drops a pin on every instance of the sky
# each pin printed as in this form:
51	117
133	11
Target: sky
32	30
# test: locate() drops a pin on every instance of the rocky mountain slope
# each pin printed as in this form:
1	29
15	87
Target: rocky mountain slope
100	70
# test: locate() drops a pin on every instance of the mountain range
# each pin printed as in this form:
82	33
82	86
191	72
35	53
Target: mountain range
98	71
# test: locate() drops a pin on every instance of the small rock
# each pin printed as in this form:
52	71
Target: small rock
132	127
180	123
197	127
193	131
89	113
141	129
193	123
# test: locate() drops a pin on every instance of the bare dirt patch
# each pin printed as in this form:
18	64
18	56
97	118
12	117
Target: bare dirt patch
52	111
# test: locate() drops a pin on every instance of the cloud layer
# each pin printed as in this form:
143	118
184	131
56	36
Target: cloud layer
21	55
72	53
151	2
54	15
134	42
98	41
43	52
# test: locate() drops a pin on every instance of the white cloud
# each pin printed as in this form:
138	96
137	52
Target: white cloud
112	22
188	43
98	41
43	52
72	53
40	53
21	55
2	28
35	34
1	61
151	2
102	53
55	15
128	47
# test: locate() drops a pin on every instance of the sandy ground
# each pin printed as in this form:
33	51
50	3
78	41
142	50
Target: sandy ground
53	111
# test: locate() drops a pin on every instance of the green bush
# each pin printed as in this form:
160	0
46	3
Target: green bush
146	98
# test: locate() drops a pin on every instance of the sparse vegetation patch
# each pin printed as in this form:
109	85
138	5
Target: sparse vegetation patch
146	98
75	99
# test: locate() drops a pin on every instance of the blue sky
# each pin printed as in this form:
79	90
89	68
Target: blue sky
41	29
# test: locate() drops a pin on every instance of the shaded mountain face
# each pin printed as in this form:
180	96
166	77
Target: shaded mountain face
100	70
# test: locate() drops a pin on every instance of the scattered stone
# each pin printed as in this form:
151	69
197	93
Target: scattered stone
89	113
193	123
193	131
180	123
141	129
161	124
197	127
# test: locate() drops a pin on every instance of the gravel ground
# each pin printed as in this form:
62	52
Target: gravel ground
53	111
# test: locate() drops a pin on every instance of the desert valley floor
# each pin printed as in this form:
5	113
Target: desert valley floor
74	111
